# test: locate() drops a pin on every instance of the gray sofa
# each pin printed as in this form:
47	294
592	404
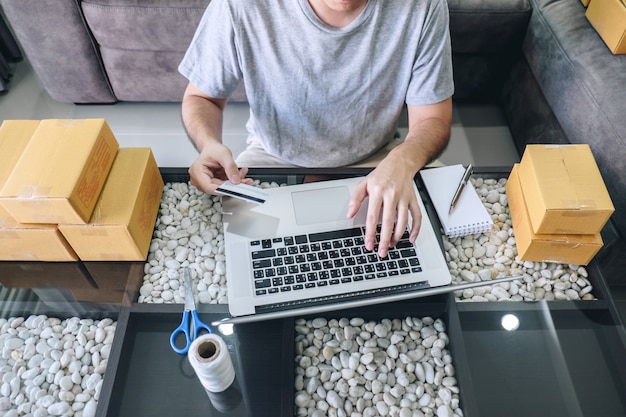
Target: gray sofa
569	88
540	59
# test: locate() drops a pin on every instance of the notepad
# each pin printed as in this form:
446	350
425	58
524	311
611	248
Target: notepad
469	216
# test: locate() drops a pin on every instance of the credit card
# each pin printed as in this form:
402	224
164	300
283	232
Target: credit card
244	192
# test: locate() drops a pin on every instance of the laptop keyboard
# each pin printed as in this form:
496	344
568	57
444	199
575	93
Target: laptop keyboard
300	262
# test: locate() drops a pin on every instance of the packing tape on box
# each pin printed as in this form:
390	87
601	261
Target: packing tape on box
209	357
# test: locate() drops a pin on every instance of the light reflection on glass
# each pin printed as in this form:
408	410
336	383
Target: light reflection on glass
510	322
225	329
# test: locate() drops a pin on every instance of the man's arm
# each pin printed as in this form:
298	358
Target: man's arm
203	117
429	133
390	185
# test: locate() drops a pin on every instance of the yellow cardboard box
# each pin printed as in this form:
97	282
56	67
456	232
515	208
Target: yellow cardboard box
123	221
32	242
564	190
14	136
608	18
61	172
567	249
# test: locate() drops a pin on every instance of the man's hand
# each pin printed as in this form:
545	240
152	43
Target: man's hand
391	199
390	186
202	117
214	165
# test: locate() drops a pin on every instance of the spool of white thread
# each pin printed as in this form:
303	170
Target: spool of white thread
209	357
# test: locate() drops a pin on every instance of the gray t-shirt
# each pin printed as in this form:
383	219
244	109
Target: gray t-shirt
321	96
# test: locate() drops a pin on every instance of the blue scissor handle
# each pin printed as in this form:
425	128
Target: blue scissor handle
185	329
198	325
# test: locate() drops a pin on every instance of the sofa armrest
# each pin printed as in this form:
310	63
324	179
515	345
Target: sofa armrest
58	45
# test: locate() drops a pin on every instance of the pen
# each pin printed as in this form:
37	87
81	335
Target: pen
459	189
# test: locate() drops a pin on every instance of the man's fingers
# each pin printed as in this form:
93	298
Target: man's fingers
416	222
356	199
400	227
202	178
386	231
371	221
392	207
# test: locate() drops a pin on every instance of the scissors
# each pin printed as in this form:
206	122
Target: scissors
191	325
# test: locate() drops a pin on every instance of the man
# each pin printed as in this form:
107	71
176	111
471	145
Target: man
326	81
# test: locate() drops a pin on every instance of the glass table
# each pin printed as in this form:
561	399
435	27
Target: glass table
563	358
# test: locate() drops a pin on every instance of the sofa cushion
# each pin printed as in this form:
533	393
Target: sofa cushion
487	26
584	85
142	42
144	24
133	74
486	36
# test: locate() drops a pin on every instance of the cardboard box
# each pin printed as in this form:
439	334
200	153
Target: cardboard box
585	2
32	242
69	275
608	18
563	189
14	136
567	249
61	172
123	221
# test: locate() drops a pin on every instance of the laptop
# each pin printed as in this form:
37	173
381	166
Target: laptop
297	253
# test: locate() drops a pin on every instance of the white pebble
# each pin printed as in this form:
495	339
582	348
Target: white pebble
59	409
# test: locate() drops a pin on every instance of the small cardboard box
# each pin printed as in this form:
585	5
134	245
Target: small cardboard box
567	249
563	189
61	172
32	242
14	136
608	18
123	221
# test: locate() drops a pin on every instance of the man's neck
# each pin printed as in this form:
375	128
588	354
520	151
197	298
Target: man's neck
337	13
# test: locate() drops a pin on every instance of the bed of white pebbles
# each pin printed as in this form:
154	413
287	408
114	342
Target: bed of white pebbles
189	233
53	367
353	367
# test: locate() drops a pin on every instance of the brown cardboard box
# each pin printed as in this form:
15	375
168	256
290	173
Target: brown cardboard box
586	2
563	190
44	275
567	249
608	18
123	221
61	172
32	242
14	136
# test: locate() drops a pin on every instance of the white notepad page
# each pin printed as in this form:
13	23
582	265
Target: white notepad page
469	216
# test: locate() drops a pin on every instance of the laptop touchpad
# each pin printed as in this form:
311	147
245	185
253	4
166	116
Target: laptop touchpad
321	205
